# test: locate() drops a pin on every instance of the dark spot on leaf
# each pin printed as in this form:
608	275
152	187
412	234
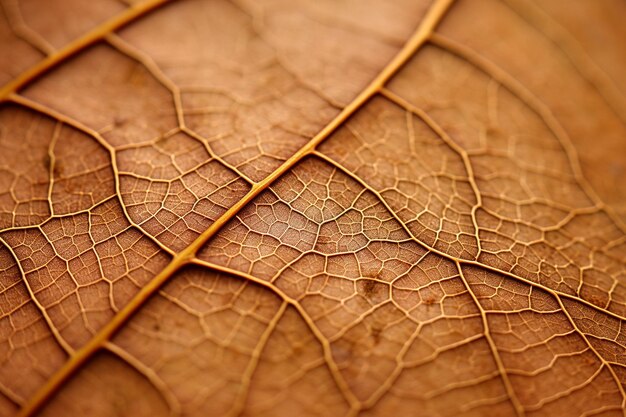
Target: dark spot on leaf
376	333
58	169
46	162
369	287
429	300
119	121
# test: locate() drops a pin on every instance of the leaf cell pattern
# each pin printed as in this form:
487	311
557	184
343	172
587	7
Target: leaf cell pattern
358	208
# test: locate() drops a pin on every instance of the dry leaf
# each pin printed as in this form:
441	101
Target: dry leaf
279	208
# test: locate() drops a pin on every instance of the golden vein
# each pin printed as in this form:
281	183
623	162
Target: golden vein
419	37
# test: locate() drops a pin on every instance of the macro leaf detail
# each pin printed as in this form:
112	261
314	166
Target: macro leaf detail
273	208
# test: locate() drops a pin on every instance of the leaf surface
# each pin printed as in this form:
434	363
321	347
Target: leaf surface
280	208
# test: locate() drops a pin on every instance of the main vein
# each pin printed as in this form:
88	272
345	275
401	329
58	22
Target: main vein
419	37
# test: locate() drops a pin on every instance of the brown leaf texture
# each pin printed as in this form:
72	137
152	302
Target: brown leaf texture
316	208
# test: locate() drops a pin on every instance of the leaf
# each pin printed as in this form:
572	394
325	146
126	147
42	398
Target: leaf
313	208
